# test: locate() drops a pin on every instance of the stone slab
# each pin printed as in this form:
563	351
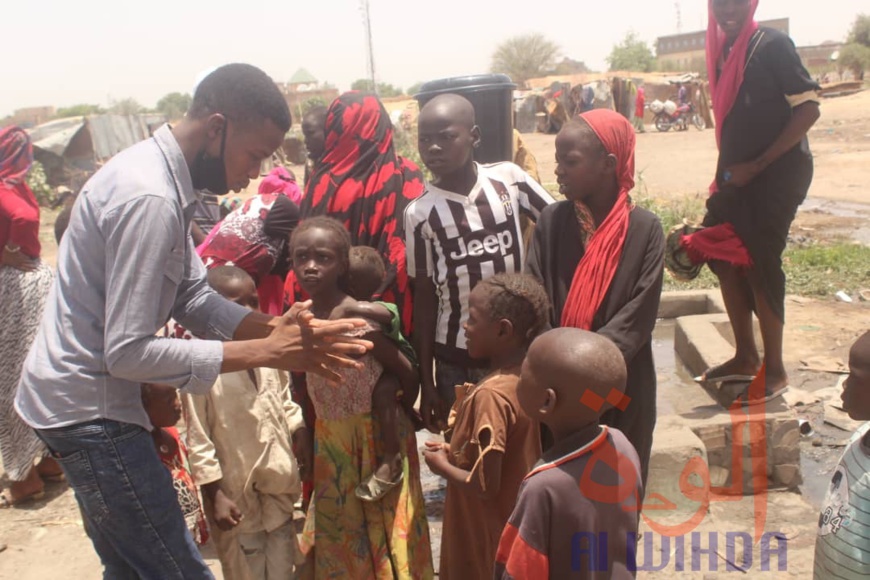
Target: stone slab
680	303
675	448
748	449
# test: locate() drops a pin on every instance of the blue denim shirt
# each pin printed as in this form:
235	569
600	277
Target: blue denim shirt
125	265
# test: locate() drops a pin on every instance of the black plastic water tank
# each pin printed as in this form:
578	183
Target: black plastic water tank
492	97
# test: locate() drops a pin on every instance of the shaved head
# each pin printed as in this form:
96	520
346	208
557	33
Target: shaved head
571	361
860	351
446	138
455	108
570	377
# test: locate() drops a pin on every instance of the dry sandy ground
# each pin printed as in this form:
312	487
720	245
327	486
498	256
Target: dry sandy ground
46	540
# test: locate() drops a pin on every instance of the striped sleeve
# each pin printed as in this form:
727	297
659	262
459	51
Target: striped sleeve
843	544
418	246
522	552
533	196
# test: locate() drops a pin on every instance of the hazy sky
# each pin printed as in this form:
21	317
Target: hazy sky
61	52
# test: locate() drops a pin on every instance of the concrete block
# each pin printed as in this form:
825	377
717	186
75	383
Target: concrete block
751	444
715	303
674	448
699	343
684	303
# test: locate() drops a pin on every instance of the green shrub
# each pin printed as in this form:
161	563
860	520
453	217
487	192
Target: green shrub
37	182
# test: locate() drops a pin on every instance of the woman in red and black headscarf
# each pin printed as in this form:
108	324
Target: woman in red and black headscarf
24	285
362	182
600	260
765	103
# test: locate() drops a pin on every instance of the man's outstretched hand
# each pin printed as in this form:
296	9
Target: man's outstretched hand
307	344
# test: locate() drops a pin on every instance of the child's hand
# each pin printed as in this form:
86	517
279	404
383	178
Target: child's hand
227	514
436	457
434	445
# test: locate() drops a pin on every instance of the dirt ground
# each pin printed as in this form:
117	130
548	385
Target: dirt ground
46	539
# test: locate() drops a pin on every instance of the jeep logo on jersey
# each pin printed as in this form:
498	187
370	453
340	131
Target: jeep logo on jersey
480	243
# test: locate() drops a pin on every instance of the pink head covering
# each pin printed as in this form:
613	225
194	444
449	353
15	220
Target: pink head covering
280	180
16	155
725	86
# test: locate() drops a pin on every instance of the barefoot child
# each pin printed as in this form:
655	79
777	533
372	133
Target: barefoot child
589	482
163	406
352	538
366	275
241	436
464	228
493	443
843	543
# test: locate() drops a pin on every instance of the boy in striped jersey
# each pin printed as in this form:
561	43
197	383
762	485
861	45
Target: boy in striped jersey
843	543
463	229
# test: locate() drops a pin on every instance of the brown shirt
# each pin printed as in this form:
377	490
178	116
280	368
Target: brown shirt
472	525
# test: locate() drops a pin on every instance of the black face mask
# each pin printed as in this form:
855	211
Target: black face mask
211	172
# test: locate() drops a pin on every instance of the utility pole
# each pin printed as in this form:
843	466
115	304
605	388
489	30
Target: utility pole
370	51
679	17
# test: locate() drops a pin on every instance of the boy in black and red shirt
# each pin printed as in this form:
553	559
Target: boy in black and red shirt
577	511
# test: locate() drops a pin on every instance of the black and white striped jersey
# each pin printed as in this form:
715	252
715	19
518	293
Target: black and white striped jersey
459	240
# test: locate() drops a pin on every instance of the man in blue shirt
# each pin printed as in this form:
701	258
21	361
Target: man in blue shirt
126	264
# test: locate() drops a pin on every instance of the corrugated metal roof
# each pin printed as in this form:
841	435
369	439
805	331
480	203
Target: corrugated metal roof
111	134
55	136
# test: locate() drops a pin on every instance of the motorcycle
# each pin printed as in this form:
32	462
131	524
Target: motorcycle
668	115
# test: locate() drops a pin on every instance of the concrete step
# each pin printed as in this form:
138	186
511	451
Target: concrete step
743	450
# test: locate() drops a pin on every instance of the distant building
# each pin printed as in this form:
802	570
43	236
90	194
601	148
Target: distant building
302	81
820	58
31	117
687	51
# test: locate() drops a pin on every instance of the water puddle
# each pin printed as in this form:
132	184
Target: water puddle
858	231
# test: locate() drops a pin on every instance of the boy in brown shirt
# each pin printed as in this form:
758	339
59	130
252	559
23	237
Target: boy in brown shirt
577	512
493	443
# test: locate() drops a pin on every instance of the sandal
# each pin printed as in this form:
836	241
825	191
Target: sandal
724	379
7	502
744	401
715	380
375	488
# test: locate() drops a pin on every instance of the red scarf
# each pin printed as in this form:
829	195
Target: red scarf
596	269
721	242
363	183
16	155
725	85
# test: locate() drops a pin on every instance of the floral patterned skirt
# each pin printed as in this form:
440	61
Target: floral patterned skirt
360	540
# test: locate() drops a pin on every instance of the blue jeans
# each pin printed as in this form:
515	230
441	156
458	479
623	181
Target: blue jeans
127	499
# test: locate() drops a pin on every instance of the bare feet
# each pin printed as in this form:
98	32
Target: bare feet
49	469
767	386
20	492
